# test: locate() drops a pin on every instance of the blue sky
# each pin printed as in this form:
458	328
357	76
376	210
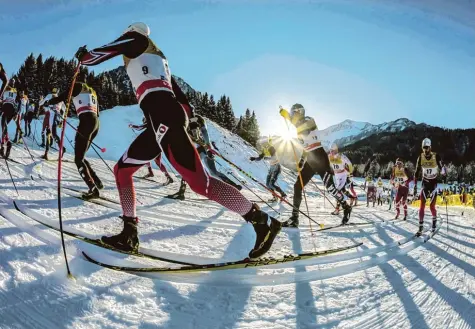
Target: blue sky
357	60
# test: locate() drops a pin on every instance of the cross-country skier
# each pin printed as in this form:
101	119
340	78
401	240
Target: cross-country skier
22	106
379	191
342	168
314	160
370	188
87	108
30	114
10	103
53	114
166	107
400	178
430	164
198	131
158	159
269	153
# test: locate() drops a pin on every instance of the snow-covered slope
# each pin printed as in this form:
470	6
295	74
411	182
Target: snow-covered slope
383	284
348	131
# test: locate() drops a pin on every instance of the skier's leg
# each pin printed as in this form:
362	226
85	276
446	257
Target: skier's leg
132	160
273	179
81	144
422	206
433	210
306	173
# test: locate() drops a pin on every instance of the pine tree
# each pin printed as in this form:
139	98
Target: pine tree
228	114
212	110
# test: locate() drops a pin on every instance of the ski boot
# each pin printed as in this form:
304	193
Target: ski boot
274	199
177	196
2	151
337	210
405	217
93	193
346	213
9	147
434	224
419	232
293	221
266	228
127	240
169	180
45	156
283	195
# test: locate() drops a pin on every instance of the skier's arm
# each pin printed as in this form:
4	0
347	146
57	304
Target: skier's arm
348	164
204	133
63	97
418	169
260	157
131	44
181	98
4	79
409	176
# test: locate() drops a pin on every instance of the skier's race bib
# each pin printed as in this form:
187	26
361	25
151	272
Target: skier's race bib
311	141
430	173
337	164
85	102
149	72
9	96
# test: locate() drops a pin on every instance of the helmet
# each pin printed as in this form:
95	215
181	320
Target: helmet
139	27
297	112
54	90
426	143
334	148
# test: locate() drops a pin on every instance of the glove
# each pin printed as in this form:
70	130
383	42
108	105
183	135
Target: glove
415	190
283	112
301	163
82	51
60	125
252	158
209	154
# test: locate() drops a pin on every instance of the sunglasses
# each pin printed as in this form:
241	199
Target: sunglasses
425	147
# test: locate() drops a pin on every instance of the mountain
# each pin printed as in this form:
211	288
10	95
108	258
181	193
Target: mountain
454	145
348	131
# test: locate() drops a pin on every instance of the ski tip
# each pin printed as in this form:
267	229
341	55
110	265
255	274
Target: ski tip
71	277
321	226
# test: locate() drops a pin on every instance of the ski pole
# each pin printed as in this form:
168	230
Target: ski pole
447	214
259	183
59	166
11	177
245	185
324	194
103	149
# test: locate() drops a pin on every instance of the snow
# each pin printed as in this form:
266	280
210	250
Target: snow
379	285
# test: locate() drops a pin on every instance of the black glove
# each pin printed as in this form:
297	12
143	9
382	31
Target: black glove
82	51
301	163
415	190
210	154
252	158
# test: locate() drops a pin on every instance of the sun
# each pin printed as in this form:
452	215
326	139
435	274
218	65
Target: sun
289	133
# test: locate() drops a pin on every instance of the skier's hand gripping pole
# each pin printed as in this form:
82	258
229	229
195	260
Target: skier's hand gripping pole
285	114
